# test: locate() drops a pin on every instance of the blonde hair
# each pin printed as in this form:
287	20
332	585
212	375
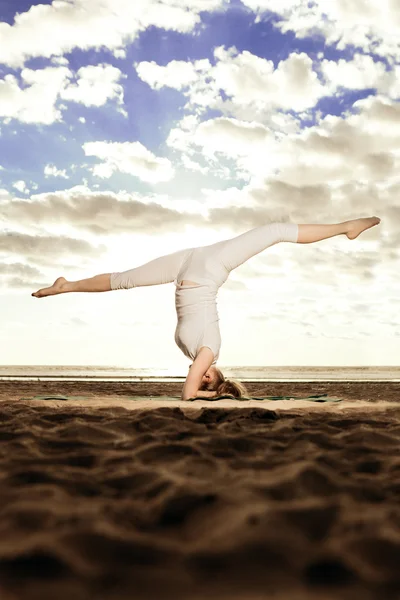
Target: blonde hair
228	386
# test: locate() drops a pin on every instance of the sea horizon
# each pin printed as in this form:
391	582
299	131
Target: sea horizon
245	373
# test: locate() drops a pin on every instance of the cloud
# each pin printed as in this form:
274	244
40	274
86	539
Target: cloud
362	72
93	24
21	187
17	275
52	171
232	137
95	85
372	26
177	74
361	146
192	165
129	157
247	79
34	99
251	80
225	137
345	165
98	213
48	249
108	213
19	269
60	61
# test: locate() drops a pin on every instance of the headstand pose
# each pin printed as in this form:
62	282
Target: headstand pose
198	273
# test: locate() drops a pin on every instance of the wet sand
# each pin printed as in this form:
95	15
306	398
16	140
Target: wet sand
109	498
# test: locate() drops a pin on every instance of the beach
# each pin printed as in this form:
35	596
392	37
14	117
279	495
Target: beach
108	497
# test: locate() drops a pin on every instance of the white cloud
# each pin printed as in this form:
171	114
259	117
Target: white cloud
179	137
34	100
19	269
129	157
177	74
87	24
362	72
35	103
110	214
372	26
347	164
361	146
192	165
379	116
252	80
253	85
46	249
337	150
21	186
98	213
60	61
95	86
340	168
119	53
52	171
230	137
4	196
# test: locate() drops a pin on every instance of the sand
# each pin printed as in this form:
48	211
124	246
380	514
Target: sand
107	498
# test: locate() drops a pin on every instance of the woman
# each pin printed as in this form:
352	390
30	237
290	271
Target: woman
198	273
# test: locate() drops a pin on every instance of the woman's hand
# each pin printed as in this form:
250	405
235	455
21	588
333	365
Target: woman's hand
203	394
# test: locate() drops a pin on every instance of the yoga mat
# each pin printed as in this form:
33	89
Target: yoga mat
315	398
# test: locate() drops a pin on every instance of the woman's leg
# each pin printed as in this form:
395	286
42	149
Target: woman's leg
156	272
234	252
315	233
98	283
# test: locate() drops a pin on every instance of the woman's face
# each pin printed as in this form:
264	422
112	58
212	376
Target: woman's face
208	376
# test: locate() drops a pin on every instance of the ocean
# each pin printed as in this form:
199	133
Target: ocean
257	373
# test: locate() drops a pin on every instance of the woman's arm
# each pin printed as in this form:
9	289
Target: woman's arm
204	394
200	366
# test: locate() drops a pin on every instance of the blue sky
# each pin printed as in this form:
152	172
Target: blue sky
189	116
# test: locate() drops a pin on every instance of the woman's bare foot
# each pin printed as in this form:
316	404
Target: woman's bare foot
357	226
56	288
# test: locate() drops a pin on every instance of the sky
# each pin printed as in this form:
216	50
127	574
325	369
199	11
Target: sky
130	130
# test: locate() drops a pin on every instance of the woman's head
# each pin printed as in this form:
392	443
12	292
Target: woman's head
214	380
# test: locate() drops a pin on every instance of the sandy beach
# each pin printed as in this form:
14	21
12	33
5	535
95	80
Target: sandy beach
111	498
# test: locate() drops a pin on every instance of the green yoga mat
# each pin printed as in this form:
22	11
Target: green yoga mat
315	398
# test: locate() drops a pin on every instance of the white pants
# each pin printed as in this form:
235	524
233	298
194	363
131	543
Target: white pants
225	256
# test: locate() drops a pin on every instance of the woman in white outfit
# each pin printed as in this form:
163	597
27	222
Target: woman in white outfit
198	273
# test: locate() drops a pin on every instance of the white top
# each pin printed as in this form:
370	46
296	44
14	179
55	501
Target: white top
196	306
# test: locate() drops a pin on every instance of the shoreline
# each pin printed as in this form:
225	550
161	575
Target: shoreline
182	379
